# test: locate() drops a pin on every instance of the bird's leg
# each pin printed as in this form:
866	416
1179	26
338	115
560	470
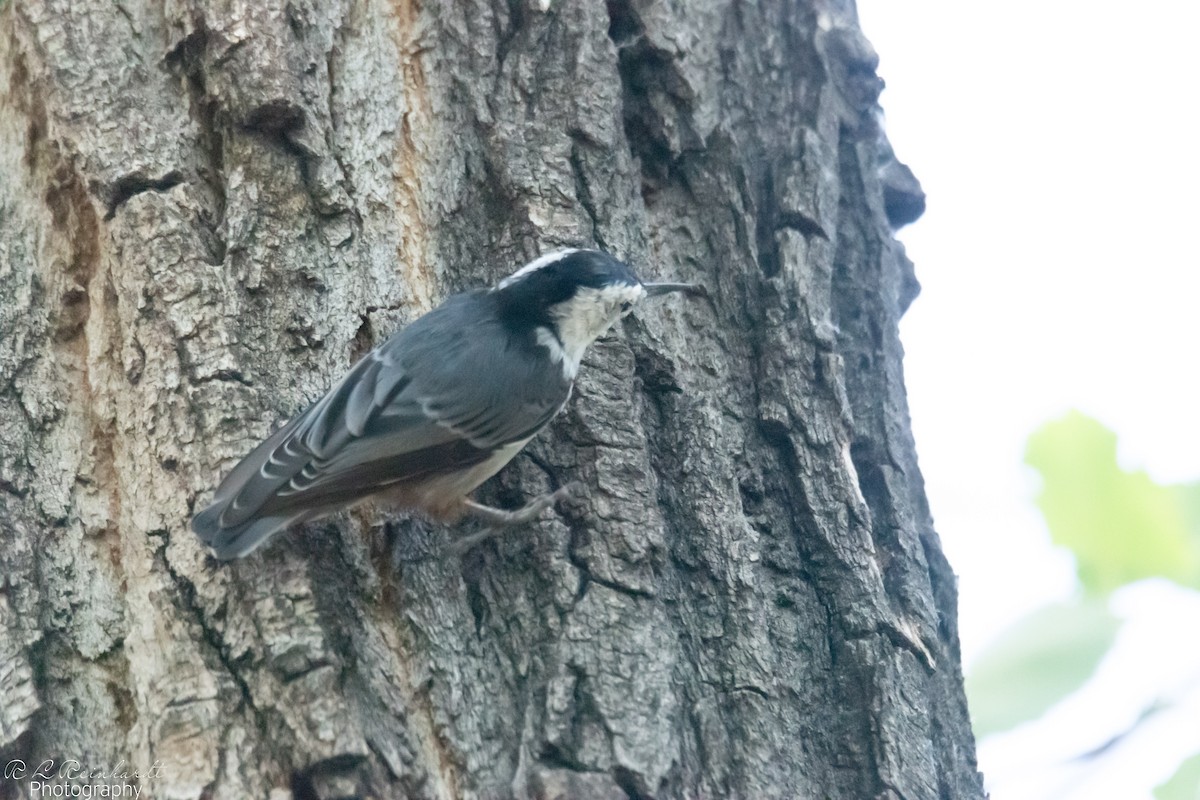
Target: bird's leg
498	520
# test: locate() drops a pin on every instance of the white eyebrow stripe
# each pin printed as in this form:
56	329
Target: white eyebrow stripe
533	266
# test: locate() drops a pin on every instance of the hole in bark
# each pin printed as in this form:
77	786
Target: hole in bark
623	23
805	226
631	784
130	185
651	89
275	117
752	497
303	788
552	755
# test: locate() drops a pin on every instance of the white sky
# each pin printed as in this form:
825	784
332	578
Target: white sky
1058	143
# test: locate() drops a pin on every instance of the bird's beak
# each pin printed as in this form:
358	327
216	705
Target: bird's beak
657	289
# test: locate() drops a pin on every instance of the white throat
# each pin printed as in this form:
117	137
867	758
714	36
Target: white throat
582	320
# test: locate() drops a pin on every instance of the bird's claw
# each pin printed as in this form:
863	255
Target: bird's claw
499	520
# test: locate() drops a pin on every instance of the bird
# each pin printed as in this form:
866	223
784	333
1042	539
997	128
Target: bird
435	410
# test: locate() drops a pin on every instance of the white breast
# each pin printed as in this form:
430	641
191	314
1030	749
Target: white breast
445	491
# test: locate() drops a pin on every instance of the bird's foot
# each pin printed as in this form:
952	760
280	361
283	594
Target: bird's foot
499	520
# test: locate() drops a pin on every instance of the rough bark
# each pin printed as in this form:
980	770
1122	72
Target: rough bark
208	210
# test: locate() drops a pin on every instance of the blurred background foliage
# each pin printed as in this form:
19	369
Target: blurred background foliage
1121	527
1057	265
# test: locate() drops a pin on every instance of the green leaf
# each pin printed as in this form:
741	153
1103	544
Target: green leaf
1120	525
1039	661
1184	784
1188	495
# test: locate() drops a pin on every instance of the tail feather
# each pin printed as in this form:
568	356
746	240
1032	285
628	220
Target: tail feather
235	541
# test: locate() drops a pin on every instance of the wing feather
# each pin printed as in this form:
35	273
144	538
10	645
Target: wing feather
438	396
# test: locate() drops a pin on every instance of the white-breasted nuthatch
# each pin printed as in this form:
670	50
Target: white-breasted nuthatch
435	410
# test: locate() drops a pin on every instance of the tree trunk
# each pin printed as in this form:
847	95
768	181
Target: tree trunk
209	210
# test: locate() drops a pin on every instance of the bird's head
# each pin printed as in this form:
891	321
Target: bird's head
570	298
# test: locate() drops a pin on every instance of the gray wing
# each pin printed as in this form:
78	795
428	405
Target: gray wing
437	397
